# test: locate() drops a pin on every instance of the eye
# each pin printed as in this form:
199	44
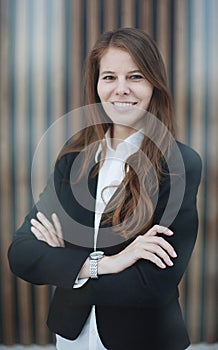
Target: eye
108	77
136	77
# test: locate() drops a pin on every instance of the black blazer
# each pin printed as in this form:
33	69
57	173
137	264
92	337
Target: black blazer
135	309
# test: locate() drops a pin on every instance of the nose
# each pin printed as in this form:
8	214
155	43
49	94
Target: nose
122	87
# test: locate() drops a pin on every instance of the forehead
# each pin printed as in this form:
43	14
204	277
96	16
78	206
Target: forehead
116	59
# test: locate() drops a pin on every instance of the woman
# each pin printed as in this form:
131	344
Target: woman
117	261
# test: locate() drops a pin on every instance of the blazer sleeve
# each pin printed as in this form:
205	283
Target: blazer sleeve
34	260
144	284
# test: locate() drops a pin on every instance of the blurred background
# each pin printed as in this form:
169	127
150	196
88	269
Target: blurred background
43	44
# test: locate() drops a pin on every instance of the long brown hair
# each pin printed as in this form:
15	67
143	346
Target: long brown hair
134	202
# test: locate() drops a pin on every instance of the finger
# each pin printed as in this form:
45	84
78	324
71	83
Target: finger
37	233
57	224
49	239
46	235
45	222
144	241
58	229
159	229
53	237
35	223
160	253
54	240
40	231
154	259
164	244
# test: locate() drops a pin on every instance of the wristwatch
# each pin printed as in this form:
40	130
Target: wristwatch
93	267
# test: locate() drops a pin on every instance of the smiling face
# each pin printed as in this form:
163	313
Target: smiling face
123	90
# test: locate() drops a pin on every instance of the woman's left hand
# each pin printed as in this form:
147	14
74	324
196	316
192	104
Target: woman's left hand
49	232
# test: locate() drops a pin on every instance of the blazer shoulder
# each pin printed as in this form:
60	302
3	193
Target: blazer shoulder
64	164
66	159
189	154
192	161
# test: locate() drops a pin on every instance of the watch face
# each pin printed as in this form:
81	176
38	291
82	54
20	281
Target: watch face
97	255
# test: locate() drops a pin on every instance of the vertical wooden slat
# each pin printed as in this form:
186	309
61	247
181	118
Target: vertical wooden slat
212	223
180	83
57	78
93	25
76	58
197	136
145	16
42	306
180	77
198	86
21	159
74	49
7	285
110	11
163	33
38	73
58	49
128	13
40	93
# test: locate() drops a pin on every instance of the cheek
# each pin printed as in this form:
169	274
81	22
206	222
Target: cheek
148	95
100	90
104	90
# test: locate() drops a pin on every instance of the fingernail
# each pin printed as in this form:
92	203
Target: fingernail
163	265
174	254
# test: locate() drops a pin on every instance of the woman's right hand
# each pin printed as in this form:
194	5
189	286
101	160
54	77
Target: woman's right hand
148	246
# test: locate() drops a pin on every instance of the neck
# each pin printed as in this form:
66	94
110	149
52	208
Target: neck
120	133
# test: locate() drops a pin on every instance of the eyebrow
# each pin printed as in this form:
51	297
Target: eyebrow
111	72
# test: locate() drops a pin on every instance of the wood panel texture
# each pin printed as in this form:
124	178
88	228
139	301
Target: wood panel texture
43	45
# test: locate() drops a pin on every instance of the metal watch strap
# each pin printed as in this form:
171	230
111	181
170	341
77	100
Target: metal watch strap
93	268
93	264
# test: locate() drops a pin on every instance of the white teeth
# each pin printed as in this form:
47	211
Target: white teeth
123	104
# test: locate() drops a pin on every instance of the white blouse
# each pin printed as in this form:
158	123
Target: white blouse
111	174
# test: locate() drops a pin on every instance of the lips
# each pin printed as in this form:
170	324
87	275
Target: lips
123	107
124	104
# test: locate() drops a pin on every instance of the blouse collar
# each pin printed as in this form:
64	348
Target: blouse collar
125	148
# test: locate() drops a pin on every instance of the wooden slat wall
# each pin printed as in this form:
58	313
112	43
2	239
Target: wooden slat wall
7	284
43	44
